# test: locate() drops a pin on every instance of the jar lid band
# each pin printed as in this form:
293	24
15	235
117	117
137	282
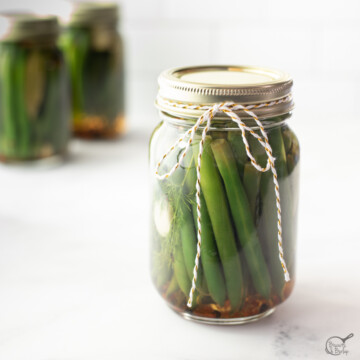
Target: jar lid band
88	13
208	115
18	26
208	85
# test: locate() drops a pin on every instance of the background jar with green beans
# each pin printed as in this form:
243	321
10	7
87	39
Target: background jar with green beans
34	89
240	277
94	53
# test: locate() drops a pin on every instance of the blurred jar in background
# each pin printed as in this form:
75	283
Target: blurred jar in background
93	50
34	102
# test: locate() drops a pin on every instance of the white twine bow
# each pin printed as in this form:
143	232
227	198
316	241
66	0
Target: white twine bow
229	109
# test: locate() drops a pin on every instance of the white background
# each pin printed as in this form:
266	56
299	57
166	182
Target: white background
74	277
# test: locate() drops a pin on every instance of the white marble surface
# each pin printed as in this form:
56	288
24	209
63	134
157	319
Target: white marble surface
74	277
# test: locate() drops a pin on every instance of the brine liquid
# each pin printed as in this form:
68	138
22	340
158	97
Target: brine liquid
204	305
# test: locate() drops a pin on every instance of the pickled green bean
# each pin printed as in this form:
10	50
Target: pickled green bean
251	181
76	45
188	237
239	150
22	118
242	216
209	256
9	138
270	213
173	286
180	271
217	206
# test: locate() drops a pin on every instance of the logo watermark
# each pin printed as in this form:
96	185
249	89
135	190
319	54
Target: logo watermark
336	345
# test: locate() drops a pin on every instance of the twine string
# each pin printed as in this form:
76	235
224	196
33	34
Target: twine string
229	109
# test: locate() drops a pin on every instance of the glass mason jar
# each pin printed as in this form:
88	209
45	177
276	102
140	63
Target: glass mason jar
93	50
240	275
34	103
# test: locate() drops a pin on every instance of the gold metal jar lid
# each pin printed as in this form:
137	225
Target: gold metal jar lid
87	13
18	26
207	85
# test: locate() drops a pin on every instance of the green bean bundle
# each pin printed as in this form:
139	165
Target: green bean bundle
34	103
240	273
93	51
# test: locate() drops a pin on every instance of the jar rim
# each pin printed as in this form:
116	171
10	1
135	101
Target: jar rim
222	123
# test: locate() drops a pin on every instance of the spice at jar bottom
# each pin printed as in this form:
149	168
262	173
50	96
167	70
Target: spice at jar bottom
240	277
34	103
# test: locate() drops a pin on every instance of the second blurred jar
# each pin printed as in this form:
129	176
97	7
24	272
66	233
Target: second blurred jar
93	50
34	106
